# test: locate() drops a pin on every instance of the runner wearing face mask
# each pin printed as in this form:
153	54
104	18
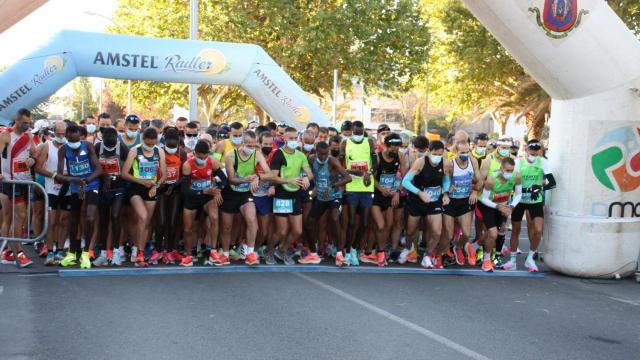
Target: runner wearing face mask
111	155
131	136
191	136
307	147
428	183
498	203
263	198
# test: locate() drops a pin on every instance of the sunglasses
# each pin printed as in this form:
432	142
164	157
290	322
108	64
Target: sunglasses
192	135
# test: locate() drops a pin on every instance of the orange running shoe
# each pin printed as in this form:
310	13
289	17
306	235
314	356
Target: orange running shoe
222	260
487	266
252	259
177	256
44	251
187	261
413	256
380	259
471	254
371	259
459	256
438	264
340	261
140	260
310	259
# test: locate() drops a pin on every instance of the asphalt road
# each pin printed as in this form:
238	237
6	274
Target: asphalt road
319	316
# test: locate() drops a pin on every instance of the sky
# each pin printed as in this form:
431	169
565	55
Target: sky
53	16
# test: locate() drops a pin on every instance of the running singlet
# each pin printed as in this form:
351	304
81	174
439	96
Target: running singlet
429	180
494	165
532	174
201	178
135	143
501	192
174	164
263	188
358	157
387	172
111	163
243	169
146	167
53	187
80	166
462	180
323	179
15	156
292	167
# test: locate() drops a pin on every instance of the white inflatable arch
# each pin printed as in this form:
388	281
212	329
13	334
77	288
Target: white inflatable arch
72	53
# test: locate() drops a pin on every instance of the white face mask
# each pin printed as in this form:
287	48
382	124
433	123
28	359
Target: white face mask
436	159
507	175
532	158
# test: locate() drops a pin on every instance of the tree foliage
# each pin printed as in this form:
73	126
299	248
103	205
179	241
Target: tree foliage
380	43
82	100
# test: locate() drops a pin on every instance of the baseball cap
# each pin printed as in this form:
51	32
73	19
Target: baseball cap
40	124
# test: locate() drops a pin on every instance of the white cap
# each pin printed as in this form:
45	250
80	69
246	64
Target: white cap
40	124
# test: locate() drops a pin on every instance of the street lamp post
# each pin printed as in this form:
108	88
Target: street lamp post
193	88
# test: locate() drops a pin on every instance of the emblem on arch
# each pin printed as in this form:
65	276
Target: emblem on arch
559	17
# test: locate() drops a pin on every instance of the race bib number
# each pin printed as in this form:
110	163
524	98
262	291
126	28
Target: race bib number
434	192
359	166
461	189
173	173
501	198
147	169
21	170
110	166
282	206
526	197
241	187
201	184
263	189
387	180
79	168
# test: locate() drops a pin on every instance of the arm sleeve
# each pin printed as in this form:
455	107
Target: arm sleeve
446	183
517	197
486	194
551	182
223	178
374	162
407	183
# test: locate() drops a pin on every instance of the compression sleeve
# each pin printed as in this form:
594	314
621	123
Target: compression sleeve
446	183
551	182
517	197
486	194
223	178
407	183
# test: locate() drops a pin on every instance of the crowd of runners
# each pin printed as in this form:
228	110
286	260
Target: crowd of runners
163	192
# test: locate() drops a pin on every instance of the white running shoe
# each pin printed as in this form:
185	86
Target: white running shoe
117	258
402	259
426	262
531	265
510	266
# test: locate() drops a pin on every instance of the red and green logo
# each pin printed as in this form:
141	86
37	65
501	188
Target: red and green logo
616	160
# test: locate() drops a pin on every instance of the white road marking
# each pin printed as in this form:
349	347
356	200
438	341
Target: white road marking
634	303
43	274
417	328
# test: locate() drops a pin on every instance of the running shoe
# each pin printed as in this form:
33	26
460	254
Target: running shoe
140	260
117	259
155	257
261	251
269	257
310	259
459	255
23	260
404	254
413	256
235	255
505	251
169	258
59	256
393	256
44	251
51	259
509	266
487	266
278	253
480	254
426	262
109	255
187	261
222	260
213	258
368	259
7	257
252	259
91	254
288	259
69	260
380	259
353	258
340	261
530	264
177	256
471	254
85	260
101	260
438	263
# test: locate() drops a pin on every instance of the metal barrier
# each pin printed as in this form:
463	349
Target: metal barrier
6	240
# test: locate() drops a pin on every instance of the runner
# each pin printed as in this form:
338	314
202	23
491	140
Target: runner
291	172
191	136
307	147
79	158
104	121
243	179
112	154
17	147
465	182
426	181
263	198
146	169
200	191
496	205
131	137
59	204
329	177
536	178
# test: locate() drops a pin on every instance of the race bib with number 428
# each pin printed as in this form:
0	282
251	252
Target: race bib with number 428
282	206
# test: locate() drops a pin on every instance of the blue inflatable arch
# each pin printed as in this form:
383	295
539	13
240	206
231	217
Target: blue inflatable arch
72	53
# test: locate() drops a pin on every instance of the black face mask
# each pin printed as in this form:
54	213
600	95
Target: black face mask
335	153
24	128
102	129
110	142
266	150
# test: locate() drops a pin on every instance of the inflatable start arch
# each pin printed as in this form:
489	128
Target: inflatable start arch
72	53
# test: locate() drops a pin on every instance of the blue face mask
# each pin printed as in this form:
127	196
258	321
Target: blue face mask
147	148
480	150
307	147
507	175
435	158
132	134
60	140
200	162
464	157
236	140
74	145
248	151
91	128
291	144
503	152
357	138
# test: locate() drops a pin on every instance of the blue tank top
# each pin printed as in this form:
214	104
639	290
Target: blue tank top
80	166
323	180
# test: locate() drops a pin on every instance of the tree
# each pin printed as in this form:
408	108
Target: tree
81	100
365	39
110	107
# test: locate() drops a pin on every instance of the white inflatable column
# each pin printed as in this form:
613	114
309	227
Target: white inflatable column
592	72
